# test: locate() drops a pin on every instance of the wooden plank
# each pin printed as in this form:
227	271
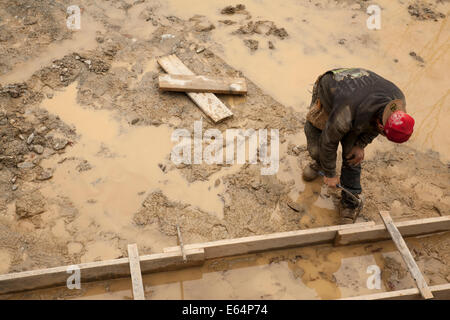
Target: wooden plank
180	240
274	241
94	271
406	255
406	228
207	102
440	292
135	271
193	83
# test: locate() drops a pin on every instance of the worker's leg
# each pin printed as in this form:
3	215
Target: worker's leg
350	175
316	119
310	172
312	140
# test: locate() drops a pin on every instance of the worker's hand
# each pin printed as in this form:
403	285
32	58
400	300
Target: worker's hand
331	182
355	156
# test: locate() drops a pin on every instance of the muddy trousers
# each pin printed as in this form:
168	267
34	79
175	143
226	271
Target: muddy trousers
350	175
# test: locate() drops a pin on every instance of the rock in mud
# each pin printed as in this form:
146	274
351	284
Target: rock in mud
271	46
30	205
252	44
37	148
97	65
134	121
416	57
45	175
232	10
279	32
15	90
84	166
202	24
204	27
262	27
295	206
30	138
162	167
42	130
25	165
59	143
227	22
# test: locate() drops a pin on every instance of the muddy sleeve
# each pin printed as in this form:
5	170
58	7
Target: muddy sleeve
366	138
337	126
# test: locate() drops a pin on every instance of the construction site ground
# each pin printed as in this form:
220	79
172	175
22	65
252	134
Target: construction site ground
85	141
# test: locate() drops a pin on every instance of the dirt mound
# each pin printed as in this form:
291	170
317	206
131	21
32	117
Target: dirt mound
422	10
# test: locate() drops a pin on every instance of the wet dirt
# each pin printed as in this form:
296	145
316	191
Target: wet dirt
85	133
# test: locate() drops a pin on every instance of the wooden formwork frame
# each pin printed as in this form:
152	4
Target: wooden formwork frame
195	254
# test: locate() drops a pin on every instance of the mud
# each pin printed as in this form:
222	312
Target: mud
85	132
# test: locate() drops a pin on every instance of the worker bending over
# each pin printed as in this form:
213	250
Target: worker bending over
351	106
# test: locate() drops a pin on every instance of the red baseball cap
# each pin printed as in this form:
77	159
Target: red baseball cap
399	126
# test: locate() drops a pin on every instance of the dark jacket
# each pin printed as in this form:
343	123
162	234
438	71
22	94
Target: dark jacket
354	99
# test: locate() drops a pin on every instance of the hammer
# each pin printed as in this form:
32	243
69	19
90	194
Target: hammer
354	197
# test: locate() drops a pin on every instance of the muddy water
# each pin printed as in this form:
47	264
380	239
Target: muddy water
312	47
110	170
320	272
122	174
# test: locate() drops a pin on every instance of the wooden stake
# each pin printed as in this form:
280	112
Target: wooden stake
180	239
406	255
135	271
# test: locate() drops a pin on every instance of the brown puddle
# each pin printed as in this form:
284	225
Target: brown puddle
121	167
318	272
